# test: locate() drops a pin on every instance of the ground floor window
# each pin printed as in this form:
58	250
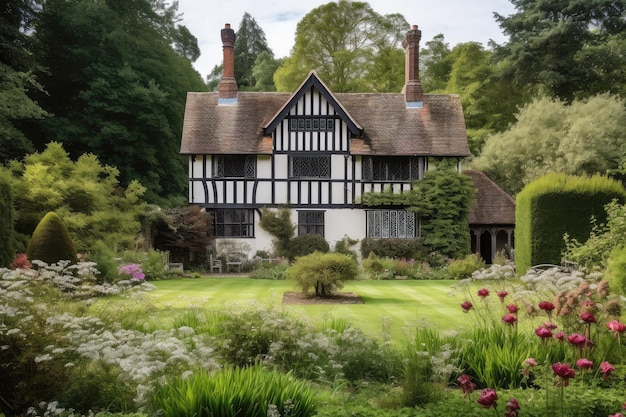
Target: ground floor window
234	223
391	224
310	222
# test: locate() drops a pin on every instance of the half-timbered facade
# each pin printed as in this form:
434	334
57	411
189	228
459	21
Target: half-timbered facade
315	152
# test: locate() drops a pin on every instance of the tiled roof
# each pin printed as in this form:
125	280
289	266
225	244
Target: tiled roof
389	128
492	204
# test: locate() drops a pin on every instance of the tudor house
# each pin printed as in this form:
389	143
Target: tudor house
316	152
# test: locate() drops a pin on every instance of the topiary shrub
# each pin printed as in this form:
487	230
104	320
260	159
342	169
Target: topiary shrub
322	271
306	244
51	242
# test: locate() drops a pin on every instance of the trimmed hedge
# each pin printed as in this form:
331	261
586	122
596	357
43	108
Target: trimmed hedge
556	204
393	248
51	242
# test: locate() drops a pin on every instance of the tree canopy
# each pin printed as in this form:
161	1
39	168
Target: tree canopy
585	137
352	48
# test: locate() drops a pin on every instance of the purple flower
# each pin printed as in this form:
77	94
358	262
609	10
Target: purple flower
488	398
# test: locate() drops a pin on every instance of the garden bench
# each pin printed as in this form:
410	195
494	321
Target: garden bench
234	259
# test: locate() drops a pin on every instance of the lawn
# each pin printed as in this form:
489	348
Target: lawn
393	304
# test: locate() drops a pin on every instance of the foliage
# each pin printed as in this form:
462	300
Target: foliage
86	194
263	71
571	51
392	248
306	244
603	239
616	270
51	242
117	76
322	271
234	392
278	224
105	259
7	220
250	43
585	137
270	271
464	268
351	47
554	205
344	245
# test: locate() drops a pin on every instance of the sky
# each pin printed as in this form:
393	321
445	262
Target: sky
458	20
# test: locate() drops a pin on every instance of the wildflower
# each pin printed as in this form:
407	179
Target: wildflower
511	408
133	271
546	306
528	363
512	308
549	325
588	318
467	306
563	371
577	340
502	295
617	327
606	369
488	398
466	384
509	319
543	332
584	363
483	292
560	336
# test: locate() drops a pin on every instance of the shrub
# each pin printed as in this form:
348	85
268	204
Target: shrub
269	271
104	258
7	244
323	272
232	392
616	270
393	248
155	265
278	224
306	244
463	268
51	241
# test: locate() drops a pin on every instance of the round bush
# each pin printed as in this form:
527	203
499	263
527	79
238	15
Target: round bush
322	271
306	244
51	242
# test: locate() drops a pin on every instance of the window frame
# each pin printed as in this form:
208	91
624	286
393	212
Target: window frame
296	162
377	168
309	224
391	224
222	164
233	219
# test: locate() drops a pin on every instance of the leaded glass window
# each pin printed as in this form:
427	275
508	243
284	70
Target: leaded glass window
310	166
396	224
390	168
310	222
234	223
234	166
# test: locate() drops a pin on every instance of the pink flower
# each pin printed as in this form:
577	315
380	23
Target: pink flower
584	363
543	333
616	326
549	325
546	306
466	384
509	319
528	363
563	371
617	415
502	295
467	306
577	340
606	369
560	336
483	292
588	318
512	308
488	398
511	408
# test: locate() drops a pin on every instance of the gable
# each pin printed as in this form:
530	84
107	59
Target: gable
325	104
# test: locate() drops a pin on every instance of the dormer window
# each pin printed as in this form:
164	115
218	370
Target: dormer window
234	166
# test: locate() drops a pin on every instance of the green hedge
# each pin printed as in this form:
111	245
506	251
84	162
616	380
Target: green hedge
393	248
556	204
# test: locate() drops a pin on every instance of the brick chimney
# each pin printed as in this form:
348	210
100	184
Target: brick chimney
228	86
412	90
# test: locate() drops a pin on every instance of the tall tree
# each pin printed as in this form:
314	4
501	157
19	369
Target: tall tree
340	40
249	44
17	82
118	75
566	49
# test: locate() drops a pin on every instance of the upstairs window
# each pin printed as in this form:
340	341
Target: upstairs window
390	168
234	166
310	222
308	166
234	223
391	224
312	124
